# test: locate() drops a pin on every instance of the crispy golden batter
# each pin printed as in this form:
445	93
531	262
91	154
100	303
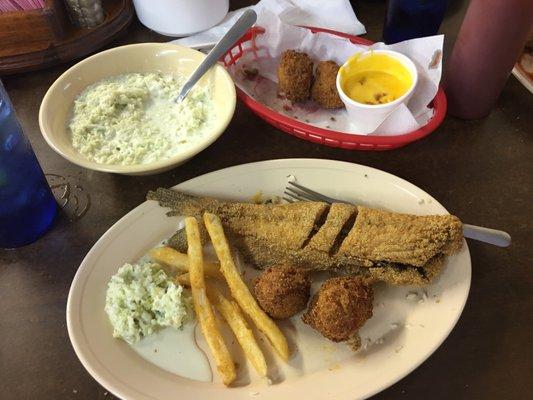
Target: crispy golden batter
380	235
376	244
283	291
399	275
340	308
339	214
324	89
295	74
251	224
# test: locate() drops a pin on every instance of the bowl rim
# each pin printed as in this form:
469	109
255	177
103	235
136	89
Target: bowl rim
402	58
154	167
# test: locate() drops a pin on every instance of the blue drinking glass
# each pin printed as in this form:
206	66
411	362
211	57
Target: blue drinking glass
409	19
27	205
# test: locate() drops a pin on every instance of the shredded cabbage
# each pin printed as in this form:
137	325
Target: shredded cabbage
133	118
141	299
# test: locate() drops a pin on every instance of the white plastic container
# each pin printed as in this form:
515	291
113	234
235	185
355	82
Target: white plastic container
366	118
180	17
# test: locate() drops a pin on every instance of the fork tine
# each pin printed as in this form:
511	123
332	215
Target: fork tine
295	196
302	196
312	194
288	200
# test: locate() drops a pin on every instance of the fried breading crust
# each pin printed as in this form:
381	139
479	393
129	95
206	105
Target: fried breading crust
295	74
380	235
398	248
283	290
324	89
340	307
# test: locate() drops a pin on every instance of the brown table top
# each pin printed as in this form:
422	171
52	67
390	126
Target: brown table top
480	170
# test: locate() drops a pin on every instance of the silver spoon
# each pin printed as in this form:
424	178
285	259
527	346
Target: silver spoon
245	22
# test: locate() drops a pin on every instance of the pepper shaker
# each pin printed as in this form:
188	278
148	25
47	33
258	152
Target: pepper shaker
85	13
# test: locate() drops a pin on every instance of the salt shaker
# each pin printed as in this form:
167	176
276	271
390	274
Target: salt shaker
86	13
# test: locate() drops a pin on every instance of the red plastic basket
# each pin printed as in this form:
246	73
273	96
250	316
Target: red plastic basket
325	136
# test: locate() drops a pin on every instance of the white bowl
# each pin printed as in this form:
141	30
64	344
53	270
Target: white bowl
365	118
180	17
58	101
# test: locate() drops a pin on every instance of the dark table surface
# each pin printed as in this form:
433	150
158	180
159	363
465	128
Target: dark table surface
480	170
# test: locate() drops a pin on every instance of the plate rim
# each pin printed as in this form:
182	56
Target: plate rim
320	163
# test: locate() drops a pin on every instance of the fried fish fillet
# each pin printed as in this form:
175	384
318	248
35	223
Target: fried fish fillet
400	249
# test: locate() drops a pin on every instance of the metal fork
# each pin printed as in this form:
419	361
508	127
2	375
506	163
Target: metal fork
296	192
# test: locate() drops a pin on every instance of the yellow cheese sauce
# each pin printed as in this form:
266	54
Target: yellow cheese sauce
374	78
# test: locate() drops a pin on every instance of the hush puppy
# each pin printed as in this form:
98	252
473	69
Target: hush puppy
295	74
324	89
340	307
283	291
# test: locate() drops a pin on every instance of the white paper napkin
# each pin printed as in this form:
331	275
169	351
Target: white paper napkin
337	15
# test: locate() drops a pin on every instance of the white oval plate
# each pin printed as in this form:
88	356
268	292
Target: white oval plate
421	323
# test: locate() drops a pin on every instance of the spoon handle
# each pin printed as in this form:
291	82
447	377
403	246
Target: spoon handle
245	22
487	235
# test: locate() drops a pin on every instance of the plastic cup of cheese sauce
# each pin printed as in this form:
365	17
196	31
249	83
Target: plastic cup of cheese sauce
372	84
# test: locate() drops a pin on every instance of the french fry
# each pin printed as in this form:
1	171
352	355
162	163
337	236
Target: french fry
183	279
240	291
173	258
202	306
233	316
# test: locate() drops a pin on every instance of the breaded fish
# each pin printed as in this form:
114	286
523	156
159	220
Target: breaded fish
400	249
